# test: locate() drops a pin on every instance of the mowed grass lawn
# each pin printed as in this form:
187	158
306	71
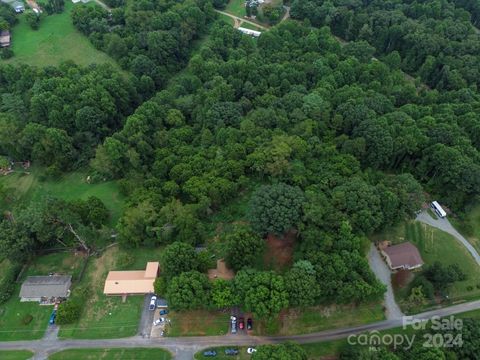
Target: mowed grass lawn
25	188
435	245
198	323
13	311
112	354
15	354
236	7
107	316
12	314
55	41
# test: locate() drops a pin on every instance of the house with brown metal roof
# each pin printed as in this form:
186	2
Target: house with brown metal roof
131	282
403	256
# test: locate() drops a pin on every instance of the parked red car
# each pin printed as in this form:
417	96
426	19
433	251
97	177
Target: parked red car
241	323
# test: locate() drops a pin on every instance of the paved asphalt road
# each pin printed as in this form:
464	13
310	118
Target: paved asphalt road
185	347
444	225
382	272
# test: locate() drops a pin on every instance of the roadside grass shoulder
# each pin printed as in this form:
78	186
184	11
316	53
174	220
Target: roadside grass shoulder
296	321
112	354
15	354
54	42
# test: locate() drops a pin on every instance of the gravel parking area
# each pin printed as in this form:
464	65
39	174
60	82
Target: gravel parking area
146	320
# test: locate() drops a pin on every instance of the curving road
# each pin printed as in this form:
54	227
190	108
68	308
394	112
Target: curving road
184	347
444	225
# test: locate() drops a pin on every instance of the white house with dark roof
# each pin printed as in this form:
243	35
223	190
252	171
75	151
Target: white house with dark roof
46	289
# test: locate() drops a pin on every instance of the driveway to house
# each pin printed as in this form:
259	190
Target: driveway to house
444	225
241	19
382	272
146	320
183	347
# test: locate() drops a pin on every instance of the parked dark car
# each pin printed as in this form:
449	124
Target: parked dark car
231	352
51	321
249	324
241	323
163	312
210	353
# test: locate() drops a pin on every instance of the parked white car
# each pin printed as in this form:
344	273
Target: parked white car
251	350
153	303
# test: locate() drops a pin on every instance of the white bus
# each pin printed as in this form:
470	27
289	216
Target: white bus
438	209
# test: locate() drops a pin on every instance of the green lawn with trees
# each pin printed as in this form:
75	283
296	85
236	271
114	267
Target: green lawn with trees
112	354
469	225
236	7
22	320
436	246
291	136
104	316
54	42
19	188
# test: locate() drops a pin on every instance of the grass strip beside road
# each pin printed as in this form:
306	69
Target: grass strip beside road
15	354
112	354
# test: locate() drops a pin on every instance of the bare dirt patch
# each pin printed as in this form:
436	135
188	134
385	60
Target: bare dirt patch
279	250
401	279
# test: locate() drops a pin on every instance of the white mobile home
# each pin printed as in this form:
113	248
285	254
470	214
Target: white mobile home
438	209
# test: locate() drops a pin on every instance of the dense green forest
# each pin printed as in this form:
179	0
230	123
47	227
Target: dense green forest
433	39
327	143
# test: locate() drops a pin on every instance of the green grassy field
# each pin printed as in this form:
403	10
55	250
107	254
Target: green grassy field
29	188
56	41
226	19
13	311
435	245
198	323
61	262
236	7
107	316
15	354
112	354
295	321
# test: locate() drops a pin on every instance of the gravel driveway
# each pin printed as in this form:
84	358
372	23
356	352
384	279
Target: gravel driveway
444	225
382	272
146	320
